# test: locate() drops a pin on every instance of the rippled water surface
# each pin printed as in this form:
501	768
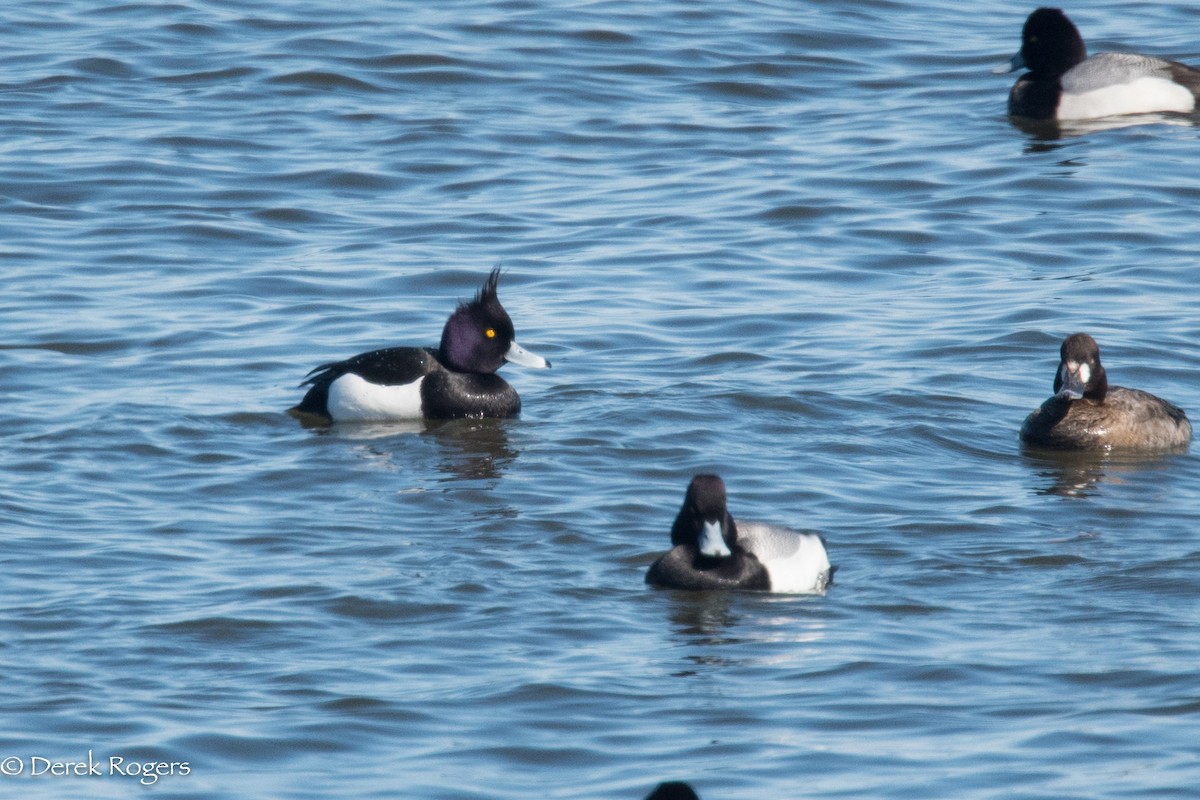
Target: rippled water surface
799	244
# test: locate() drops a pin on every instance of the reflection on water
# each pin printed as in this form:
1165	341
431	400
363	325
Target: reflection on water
365	431
702	617
464	449
710	618
1078	473
473	448
1044	132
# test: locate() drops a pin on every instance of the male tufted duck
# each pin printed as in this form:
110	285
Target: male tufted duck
456	380
1086	413
711	551
1064	84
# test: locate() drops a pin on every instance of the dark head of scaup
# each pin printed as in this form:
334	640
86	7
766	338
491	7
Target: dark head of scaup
711	551
456	380
673	790
1064	84
1087	413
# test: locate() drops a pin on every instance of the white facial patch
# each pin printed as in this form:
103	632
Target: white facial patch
1083	371
353	399
712	542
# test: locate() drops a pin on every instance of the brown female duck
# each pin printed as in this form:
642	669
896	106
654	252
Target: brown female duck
1086	413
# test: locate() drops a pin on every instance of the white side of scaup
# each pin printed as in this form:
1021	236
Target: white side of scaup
353	399
1139	96
796	563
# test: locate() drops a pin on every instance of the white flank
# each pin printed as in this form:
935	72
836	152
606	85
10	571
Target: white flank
1140	96
796	562
352	399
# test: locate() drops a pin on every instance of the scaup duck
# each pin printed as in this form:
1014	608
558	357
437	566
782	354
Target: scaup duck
1064	84
711	551
457	380
1086	413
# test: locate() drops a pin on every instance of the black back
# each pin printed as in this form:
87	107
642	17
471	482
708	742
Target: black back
1185	76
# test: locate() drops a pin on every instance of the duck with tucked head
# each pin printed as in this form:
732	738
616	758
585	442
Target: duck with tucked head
1086	413
711	551
1064	84
457	380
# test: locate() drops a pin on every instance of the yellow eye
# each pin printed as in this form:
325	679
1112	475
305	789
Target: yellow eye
490	333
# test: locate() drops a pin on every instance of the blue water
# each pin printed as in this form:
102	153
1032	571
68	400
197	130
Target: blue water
798	244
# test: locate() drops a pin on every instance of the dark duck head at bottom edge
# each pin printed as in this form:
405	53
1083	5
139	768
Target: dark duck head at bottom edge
673	790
